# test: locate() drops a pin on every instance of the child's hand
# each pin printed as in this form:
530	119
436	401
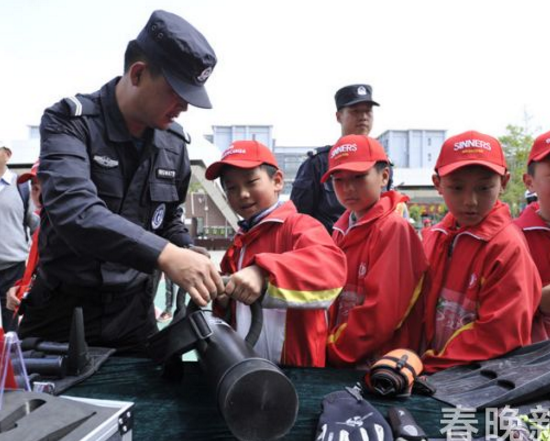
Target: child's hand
246	285
12	302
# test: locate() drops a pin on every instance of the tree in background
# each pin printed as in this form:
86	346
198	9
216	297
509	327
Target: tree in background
516	144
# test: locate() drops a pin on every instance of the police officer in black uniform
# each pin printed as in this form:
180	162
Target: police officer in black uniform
354	113
114	170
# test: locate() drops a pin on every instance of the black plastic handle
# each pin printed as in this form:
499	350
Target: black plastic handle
404	425
256	322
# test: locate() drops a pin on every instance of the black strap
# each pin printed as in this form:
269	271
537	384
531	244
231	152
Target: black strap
179	336
24	192
400	364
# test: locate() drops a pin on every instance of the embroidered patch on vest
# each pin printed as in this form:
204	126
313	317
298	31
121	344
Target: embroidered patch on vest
105	161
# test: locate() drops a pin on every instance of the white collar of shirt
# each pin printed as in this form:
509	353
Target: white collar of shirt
7	179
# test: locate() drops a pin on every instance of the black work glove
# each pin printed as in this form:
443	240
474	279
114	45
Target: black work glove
348	416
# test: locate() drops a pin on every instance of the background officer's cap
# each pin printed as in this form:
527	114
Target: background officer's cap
354	94
182	53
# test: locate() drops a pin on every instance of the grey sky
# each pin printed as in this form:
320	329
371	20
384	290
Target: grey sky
445	64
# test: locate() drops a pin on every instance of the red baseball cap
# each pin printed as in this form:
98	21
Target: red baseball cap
30	174
355	153
470	148
540	149
242	154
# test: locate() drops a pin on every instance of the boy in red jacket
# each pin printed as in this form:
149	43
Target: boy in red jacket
484	287
535	223
282	258
386	262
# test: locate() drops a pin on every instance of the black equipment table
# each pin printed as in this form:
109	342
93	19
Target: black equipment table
187	410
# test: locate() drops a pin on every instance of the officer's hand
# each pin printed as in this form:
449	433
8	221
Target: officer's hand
12	302
246	285
193	272
200	250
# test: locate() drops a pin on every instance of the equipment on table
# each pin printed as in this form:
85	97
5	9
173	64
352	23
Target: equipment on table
519	376
395	374
404	425
257	401
348	416
54	367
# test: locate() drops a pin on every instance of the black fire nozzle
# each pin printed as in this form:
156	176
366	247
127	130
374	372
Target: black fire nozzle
256	399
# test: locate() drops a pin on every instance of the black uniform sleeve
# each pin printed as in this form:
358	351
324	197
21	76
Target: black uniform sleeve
175	230
305	189
71	201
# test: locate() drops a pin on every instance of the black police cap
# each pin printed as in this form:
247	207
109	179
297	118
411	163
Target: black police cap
182	53
354	94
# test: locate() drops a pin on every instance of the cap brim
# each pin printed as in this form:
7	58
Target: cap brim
350	166
446	169
357	101
540	156
213	171
25	177
193	94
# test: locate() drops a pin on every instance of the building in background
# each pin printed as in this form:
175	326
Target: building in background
413	148
289	160
223	136
414	154
25	152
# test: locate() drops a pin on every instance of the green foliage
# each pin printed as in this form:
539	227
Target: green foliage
415	212
516	144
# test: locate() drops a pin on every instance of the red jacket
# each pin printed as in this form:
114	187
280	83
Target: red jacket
306	273
386	264
483	290
24	284
537	233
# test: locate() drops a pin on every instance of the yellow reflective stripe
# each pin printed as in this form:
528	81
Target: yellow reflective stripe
415	296
332	338
301	297
455	334
429	352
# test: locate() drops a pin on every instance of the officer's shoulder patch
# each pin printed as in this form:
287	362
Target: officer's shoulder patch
179	131
80	105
